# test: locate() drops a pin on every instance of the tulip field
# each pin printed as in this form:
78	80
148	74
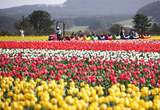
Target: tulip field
80	75
45	38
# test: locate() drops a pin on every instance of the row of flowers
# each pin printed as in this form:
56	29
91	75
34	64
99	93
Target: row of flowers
94	70
28	38
72	76
45	38
19	94
145	46
90	54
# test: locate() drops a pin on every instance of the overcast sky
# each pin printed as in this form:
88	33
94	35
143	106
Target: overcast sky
12	3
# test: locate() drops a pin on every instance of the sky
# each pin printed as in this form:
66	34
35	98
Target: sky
13	3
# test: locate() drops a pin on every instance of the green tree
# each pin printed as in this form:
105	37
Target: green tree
155	29
5	33
115	29
142	23
24	24
42	23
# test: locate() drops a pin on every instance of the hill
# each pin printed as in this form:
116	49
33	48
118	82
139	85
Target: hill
152	9
6	23
79	8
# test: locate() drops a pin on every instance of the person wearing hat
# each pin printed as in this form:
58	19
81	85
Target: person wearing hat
58	32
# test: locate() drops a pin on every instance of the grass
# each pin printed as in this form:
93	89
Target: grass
77	28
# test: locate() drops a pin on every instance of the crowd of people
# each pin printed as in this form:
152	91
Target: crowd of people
131	32
80	34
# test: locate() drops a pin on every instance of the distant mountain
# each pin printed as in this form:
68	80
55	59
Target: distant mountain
152	9
80	8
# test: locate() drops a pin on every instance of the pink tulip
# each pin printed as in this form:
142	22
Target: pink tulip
77	78
89	80
99	80
142	80
44	77
83	78
136	76
49	79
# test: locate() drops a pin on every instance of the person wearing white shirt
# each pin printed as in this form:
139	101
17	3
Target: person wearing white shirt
22	32
58	32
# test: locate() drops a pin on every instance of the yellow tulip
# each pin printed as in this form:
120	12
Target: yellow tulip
100	92
110	90
2	105
10	94
116	100
53	100
96	88
32	103
14	105
95	98
129	90
75	91
54	107
123	89
8	108
37	107
38	80
103	107
69	100
20	107
82	90
1	77
3	90
26	103
136	89
134	105
82	84
53	93
109	108
93	92
70	91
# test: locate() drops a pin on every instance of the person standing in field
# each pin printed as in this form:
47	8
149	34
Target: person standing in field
58	32
22	32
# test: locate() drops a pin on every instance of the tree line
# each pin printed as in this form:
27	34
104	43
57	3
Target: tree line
142	25
40	23
94	23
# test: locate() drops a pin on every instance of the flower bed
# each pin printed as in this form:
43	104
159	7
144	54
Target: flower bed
38	94
70	75
96	68
145	46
